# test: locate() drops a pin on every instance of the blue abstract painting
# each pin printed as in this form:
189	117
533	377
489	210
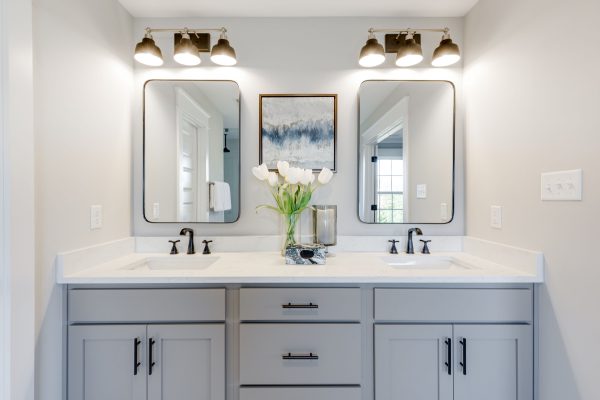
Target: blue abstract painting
298	129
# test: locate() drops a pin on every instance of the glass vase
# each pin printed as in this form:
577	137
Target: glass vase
290	223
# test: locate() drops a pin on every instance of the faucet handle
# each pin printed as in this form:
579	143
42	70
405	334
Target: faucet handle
174	247
425	247
393	250
206	249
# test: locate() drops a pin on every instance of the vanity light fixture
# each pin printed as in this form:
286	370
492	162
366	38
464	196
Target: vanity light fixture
409	53
447	53
372	54
186	53
406	43
222	53
147	52
189	43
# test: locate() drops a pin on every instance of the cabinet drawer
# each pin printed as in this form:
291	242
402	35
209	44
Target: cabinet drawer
300	304
146	305
299	393
272	354
453	305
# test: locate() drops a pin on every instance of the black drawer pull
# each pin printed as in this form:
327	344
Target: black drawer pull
290	305
448	363
309	356
151	362
136	362
463	363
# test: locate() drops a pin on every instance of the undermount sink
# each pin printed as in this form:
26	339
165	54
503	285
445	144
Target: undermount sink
422	262
174	263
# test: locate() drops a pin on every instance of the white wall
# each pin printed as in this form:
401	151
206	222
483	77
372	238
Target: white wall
532	88
83	82
17	260
318	55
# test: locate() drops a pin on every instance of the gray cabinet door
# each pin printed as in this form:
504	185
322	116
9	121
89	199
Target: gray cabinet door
410	362
189	362
102	362
499	362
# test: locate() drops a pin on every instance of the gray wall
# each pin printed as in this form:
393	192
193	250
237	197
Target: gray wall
82	114
532	106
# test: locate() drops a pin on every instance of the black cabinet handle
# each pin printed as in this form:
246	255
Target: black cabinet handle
136	362
463	363
151	362
309	356
448	363
290	305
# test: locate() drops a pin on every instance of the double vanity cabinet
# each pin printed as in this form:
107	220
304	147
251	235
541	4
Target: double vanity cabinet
275	342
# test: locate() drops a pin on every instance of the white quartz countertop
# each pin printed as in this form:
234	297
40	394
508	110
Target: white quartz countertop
125	266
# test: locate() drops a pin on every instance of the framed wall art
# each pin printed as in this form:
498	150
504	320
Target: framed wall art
299	128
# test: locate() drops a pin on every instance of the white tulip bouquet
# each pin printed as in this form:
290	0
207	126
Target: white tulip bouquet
292	189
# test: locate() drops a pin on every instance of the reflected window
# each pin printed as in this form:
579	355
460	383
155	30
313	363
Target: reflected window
390	190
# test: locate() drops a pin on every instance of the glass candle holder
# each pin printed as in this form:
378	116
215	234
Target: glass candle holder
325	225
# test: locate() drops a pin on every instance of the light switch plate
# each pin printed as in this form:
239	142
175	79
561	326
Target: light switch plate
496	217
95	217
562	185
421	191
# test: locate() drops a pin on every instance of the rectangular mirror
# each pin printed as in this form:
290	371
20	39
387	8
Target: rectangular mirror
406	152
191	151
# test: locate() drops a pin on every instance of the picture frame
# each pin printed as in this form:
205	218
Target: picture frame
298	128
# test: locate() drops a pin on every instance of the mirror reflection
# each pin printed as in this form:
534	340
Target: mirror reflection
406	152
191	151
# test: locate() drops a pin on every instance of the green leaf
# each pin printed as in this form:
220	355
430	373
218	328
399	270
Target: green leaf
269	207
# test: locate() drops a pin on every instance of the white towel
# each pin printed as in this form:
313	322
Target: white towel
220	197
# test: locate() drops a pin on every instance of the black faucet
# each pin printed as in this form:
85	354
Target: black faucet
183	232
393	249
425	247
174	247
409	244
206	249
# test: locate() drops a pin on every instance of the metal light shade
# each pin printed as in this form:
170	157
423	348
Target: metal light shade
447	53
186	53
409	53
372	54
223	54
147	53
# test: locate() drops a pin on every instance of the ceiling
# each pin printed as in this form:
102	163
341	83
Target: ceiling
298	8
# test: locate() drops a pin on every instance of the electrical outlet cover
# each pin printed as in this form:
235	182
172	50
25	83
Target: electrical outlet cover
95	217
562	185
496	217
